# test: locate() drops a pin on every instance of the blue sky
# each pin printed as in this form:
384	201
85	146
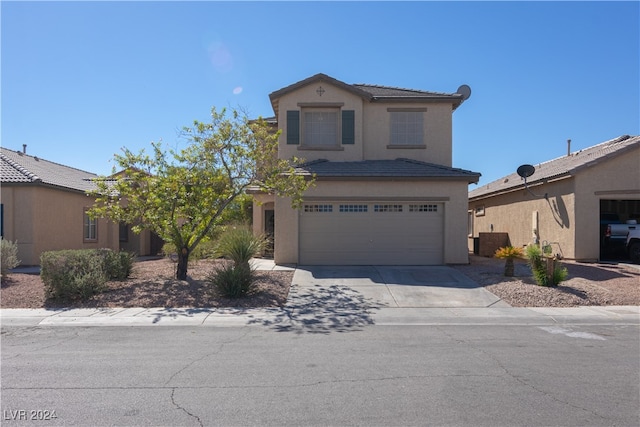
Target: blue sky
80	80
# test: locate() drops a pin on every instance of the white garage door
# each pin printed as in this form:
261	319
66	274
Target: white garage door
358	233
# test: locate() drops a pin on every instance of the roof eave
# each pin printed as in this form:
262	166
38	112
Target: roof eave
537	183
454	100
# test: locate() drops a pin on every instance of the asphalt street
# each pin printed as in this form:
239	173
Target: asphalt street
575	373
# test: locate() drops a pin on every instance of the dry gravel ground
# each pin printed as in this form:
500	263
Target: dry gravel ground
152	284
593	284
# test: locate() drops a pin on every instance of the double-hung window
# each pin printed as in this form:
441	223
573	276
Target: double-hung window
320	127
407	127
90	228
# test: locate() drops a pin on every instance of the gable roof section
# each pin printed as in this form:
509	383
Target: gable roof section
562	166
19	168
384	169
371	93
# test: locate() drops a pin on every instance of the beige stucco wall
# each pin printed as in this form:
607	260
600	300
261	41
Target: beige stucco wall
528	219
372	128
44	219
617	178
437	134
452	194
331	96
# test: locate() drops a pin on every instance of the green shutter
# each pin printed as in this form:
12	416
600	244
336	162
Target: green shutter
348	127
293	127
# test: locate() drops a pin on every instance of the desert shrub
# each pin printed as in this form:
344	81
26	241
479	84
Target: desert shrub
8	256
538	266
117	265
72	274
509	252
232	281
560	274
239	244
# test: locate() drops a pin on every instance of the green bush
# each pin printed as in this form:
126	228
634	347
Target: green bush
560	274
117	265
8	256
239	244
538	266
72	274
232	281
79	274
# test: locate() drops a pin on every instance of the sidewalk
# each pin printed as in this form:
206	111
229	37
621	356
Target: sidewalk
291	317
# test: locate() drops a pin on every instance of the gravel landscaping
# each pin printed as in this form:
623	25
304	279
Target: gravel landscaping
152	284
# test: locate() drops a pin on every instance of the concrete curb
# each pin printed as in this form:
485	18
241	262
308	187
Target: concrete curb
288	317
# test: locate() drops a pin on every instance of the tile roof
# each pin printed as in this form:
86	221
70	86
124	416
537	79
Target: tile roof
380	92
562	166
371	93
399	168
17	167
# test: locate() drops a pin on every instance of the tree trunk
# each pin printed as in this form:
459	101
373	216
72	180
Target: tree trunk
508	267
183	262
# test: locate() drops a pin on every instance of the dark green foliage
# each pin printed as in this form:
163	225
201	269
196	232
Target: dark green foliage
538	264
117	265
238	244
79	274
560	274
232	281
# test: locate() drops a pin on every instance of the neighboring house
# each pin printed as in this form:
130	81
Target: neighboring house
44	208
385	190
564	203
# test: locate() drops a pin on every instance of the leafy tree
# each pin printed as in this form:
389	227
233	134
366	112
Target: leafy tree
182	194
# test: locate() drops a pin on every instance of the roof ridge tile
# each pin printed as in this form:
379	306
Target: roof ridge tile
21	169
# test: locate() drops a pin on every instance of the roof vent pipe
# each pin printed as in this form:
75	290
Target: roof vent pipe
568	147
24	148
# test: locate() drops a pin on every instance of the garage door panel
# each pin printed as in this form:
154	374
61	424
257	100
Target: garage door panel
391	238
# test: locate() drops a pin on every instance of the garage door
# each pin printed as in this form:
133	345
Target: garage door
357	233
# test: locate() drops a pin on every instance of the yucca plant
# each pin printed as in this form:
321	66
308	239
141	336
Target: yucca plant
238	244
508	253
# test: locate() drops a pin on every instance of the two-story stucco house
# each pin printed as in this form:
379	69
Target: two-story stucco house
385	192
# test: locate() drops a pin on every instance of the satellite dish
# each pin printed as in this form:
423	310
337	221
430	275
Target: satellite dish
465	91
525	171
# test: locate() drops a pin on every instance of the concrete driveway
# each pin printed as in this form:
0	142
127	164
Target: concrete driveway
391	286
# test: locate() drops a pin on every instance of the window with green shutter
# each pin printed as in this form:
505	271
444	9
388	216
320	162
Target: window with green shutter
348	127
293	127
